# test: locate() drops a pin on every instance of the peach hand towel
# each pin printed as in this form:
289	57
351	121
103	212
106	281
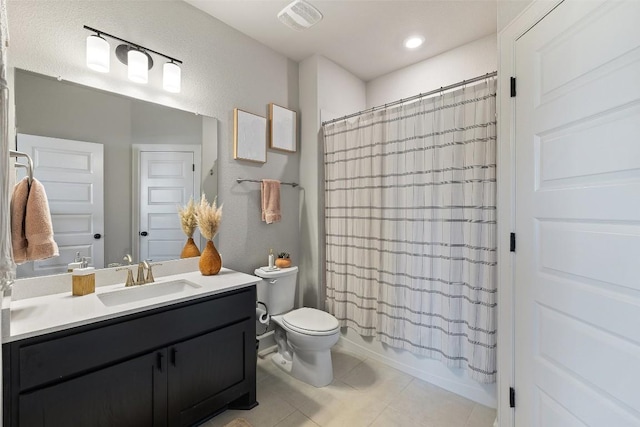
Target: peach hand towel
18	214
37	225
270	192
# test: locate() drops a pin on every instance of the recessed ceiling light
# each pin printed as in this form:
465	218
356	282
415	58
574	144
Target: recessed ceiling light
413	42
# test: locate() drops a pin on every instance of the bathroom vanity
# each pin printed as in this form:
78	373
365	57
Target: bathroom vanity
144	363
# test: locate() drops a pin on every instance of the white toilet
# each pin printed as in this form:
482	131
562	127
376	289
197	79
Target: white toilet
304	336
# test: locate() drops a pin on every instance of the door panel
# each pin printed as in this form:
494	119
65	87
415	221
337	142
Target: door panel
126	394
167	180
72	175
577	292
204	370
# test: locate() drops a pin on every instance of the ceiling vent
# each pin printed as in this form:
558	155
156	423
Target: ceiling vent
299	15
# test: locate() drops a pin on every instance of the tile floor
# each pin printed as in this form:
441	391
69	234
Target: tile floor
364	392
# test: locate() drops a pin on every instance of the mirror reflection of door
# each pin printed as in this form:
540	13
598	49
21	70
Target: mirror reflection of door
167	178
72	175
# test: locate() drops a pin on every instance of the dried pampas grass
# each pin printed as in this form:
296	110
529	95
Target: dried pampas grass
208	217
188	220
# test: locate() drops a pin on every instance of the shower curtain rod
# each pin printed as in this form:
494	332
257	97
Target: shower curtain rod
412	98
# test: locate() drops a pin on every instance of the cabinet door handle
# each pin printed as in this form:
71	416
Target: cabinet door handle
173	356
159	357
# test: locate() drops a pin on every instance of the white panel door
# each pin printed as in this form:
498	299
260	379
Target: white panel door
72	175
167	181
577	261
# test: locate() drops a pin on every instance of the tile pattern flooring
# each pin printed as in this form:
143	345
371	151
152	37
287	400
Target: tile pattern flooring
364	392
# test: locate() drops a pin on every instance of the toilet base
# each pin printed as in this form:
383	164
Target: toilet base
313	367
282	363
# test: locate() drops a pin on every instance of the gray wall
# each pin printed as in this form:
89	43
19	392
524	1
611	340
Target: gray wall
326	90
508	10
462	63
222	69
46	107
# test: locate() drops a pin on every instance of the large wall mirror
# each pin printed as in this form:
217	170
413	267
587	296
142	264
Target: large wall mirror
114	168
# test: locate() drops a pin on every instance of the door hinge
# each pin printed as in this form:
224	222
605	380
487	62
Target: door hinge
512	242
513	87
512	397
193	167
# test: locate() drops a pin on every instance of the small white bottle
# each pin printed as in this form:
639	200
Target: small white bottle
271	259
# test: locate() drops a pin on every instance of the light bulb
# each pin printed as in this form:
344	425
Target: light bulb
171	77
138	66
98	54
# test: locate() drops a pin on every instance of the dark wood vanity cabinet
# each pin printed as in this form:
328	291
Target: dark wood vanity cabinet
121	395
172	366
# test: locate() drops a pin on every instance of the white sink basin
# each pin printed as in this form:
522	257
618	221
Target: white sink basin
143	292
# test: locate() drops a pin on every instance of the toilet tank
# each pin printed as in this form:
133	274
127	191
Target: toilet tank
277	289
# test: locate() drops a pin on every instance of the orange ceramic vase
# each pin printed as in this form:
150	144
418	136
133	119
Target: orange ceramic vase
210	261
190	249
283	262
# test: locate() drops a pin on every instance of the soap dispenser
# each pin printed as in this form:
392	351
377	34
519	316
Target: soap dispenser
83	278
77	263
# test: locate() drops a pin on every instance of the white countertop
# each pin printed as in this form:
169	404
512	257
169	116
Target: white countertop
40	315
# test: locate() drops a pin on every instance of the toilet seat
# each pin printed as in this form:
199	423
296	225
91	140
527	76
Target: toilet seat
310	321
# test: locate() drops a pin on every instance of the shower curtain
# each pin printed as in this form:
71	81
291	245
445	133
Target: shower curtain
410	215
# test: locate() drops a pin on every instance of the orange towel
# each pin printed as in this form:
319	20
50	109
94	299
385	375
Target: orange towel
31	227
18	214
270	190
38	226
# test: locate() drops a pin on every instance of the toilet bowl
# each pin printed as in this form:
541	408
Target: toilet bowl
304	336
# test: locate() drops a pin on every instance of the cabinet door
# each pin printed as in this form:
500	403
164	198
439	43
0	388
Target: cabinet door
131	393
208	372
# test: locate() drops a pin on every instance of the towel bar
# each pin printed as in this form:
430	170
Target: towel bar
29	164
293	184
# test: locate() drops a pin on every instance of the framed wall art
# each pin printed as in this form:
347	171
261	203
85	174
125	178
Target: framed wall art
282	128
249	136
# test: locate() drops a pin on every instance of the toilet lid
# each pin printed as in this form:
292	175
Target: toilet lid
310	320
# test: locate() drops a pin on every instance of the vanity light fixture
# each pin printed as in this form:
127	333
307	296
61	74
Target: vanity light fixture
171	77
413	42
136	57
98	54
137	66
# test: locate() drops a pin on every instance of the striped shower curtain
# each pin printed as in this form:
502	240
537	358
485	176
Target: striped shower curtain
410	213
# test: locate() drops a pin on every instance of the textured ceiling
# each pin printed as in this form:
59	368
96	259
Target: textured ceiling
363	36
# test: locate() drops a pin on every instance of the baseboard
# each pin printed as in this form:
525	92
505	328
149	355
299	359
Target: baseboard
471	393
263	353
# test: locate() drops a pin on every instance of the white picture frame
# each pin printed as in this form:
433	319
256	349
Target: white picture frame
249	136
282	128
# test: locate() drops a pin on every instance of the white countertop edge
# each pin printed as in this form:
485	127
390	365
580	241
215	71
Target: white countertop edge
33	326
